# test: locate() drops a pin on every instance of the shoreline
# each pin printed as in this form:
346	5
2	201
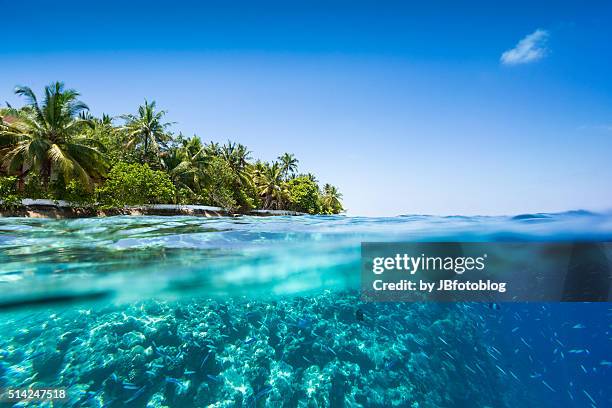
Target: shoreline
40	208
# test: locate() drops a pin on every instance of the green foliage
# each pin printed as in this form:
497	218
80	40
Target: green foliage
288	164
48	137
34	188
8	192
136	184
330	201
271	186
74	192
220	190
304	195
52	147
147	132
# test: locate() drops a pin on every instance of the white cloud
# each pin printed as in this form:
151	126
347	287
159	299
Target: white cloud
529	49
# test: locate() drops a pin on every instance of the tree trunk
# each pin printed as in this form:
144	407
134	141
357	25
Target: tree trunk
46	173
146	147
21	178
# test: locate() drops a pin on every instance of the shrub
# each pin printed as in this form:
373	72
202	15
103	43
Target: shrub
75	192
135	184
33	187
220	190
304	195
8	192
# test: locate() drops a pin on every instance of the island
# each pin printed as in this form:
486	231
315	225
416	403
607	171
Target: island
57	159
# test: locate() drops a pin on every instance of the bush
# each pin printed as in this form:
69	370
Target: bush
304	195
8	192
34	188
220	190
135	184
75	192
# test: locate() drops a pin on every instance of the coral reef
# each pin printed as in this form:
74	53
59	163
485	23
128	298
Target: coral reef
326	350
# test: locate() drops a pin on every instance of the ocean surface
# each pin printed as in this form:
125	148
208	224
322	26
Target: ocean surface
266	312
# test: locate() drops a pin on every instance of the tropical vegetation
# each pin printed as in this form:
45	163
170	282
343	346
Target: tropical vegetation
53	147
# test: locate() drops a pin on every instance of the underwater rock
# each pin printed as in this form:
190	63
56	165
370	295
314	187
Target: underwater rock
26	335
131	339
47	363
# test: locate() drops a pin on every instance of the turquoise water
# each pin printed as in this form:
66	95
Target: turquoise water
253	311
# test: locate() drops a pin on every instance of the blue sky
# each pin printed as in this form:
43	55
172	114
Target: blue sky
478	108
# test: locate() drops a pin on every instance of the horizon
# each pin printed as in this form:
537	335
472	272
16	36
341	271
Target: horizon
405	116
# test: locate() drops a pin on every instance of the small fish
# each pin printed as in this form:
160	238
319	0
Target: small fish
250	341
189	372
605	363
579	326
494	306
173	380
584	369
205	359
548	386
535	375
263	391
589	397
130	386
359	315
515	329
500	369
214	378
442	340
136	395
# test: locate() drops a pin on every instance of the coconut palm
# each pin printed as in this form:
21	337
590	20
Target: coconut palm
237	157
212	149
288	164
186	165
50	137
271	186
147	130
331	199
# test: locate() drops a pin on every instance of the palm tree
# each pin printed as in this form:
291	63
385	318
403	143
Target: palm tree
147	129
187	164
331	199
288	164
50	137
237	157
212	149
271	186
